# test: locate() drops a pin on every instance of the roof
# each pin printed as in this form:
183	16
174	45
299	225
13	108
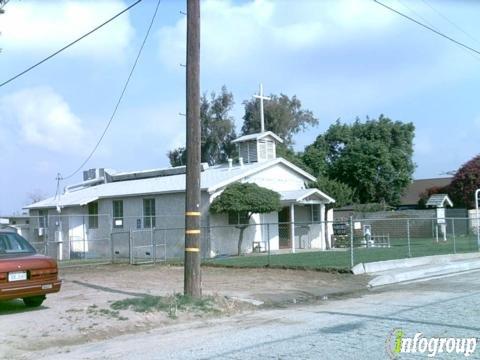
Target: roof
303	195
417	187
258	136
212	179
439	200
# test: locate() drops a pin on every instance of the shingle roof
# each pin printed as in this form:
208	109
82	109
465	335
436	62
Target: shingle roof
417	187
439	200
212	179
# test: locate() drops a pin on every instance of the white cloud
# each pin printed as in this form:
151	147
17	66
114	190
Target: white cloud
235	33
44	119
31	26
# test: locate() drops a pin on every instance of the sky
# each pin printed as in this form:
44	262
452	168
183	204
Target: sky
342	58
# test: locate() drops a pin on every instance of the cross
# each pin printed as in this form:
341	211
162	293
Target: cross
261	97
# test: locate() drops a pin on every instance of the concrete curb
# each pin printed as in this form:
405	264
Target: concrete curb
380	266
423	272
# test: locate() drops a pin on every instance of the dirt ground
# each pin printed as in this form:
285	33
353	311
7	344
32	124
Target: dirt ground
81	312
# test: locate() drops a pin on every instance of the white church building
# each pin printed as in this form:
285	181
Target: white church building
141	214
106	202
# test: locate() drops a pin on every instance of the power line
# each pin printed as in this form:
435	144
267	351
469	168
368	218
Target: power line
417	14
70	44
428	28
121	95
450	21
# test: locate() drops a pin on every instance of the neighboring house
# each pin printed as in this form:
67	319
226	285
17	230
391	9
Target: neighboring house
110	202
17	223
413	193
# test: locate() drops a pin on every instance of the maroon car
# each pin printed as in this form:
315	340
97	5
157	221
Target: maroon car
24	273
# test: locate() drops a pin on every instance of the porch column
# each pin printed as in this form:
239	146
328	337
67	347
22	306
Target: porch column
323	244
292	226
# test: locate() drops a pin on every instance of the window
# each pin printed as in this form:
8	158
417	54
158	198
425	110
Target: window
117	213
11	243
316	213
148	213
42	218
93	215
237	218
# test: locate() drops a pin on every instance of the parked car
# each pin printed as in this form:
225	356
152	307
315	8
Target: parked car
24	273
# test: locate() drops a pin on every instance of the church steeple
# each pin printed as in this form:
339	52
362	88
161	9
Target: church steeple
260	146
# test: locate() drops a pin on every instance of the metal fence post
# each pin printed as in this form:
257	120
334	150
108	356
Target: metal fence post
408	238
351	242
268	243
130	246
154	247
454	240
478	232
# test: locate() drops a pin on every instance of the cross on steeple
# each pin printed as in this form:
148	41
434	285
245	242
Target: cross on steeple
261	97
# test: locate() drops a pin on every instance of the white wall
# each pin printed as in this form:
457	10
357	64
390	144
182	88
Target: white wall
278	178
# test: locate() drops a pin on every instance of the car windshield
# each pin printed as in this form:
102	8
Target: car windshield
12	243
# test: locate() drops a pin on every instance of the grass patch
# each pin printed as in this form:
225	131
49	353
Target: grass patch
339	260
114	314
169	304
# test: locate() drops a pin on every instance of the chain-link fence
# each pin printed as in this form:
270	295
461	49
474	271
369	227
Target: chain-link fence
339	244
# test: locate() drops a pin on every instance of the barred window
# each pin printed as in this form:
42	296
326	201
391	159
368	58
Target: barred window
148	213
117	213
93	215
316	213
237	218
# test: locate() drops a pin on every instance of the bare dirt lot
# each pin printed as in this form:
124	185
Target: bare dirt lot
81	312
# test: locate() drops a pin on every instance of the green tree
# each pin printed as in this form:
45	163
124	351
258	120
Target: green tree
283	115
178	156
341	192
218	130
373	158
244	200
464	184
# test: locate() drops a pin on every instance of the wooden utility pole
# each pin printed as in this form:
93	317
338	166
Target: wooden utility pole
192	284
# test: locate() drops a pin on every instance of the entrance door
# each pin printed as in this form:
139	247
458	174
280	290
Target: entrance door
284	229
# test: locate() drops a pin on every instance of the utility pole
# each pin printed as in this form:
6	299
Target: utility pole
192	281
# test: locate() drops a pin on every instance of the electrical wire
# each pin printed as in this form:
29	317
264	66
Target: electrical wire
69	45
451	22
429	28
417	14
120	97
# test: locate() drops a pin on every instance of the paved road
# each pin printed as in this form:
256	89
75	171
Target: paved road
351	328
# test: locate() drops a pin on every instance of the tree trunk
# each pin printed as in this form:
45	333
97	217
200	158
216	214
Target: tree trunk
240	239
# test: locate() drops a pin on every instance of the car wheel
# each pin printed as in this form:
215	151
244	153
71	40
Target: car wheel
34	301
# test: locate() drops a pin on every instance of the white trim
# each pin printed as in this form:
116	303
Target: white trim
267	165
85	202
318	192
258	136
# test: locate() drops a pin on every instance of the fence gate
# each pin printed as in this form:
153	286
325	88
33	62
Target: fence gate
142	247
120	246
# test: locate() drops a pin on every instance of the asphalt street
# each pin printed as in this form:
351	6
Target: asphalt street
358	327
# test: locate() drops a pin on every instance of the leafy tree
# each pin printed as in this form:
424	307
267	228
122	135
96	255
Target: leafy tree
218	130
341	192
283	115
244	200
178	156
293	157
465	182
373	158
